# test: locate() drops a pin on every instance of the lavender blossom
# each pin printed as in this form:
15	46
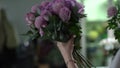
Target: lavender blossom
30	18
34	8
57	6
80	8
65	14
79	5
40	22
81	11
59	1
46	14
49	7
70	3
43	5
112	11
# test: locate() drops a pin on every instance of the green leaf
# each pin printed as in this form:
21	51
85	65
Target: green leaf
29	33
112	24
35	36
117	34
75	29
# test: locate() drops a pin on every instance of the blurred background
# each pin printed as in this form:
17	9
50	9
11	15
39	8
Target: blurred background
17	51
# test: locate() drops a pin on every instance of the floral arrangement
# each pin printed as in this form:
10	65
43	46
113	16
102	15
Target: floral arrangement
57	20
114	20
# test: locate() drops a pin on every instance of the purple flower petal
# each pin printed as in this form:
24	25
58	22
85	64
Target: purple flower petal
81	11
46	14
80	8
43	5
30	18
34	8
59	1
40	22
112	11
65	14
79	5
41	32
57	6
70	3
49	7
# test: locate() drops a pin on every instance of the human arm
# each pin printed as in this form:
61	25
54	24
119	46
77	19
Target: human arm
66	50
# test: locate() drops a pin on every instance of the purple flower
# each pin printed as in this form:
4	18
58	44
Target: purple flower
41	32
80	8
81	11
59	1
30	18
65	14
34	8
57	6
79	5
43	5
46	14
70	3
40	22
112	11
49	7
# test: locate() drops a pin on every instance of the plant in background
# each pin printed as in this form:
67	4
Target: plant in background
58	20
114	20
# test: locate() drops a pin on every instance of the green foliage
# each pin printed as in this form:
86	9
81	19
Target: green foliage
33	33
114	23
117	34
62	31
57	30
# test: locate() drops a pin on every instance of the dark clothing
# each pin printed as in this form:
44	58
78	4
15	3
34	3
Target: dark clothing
8	58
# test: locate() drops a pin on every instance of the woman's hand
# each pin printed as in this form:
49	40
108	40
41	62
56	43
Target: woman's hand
66	50
68	46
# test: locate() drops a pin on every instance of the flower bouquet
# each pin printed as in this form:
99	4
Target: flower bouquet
114	20
58	20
